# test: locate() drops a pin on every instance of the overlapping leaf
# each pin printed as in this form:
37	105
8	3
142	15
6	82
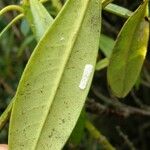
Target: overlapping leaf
49	100
38	17
129	53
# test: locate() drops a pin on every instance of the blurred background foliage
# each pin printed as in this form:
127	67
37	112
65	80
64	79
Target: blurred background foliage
125	123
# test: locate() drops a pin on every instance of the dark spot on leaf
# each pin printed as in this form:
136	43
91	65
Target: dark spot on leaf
22	145
50	135
22	112
63	120
28	84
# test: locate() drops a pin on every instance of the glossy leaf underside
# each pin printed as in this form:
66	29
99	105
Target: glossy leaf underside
129	53
48	99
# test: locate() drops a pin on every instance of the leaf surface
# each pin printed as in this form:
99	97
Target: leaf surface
49	99
129	53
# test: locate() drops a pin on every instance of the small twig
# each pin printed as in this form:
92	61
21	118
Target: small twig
121	108
145	83
7	87
11	23
138	101
126	139
142	131
94	107
146	73
9	16
110	27
121	111
99	109
102	140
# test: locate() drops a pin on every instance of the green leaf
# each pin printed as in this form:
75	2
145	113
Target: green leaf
38	18
52	90
129	53
106	45
118	10
102	64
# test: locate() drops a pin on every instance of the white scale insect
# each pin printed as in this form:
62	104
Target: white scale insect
86	75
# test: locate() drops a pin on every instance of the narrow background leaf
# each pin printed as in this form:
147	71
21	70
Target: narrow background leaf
38	18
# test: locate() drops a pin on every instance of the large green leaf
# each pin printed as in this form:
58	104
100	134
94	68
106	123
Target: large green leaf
129	53
56	81
38	18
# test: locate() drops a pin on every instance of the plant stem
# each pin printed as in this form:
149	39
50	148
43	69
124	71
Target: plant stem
120	108
126	139
11	7
11	23
102	140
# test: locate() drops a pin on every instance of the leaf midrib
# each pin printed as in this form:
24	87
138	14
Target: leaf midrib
127	56
55	92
